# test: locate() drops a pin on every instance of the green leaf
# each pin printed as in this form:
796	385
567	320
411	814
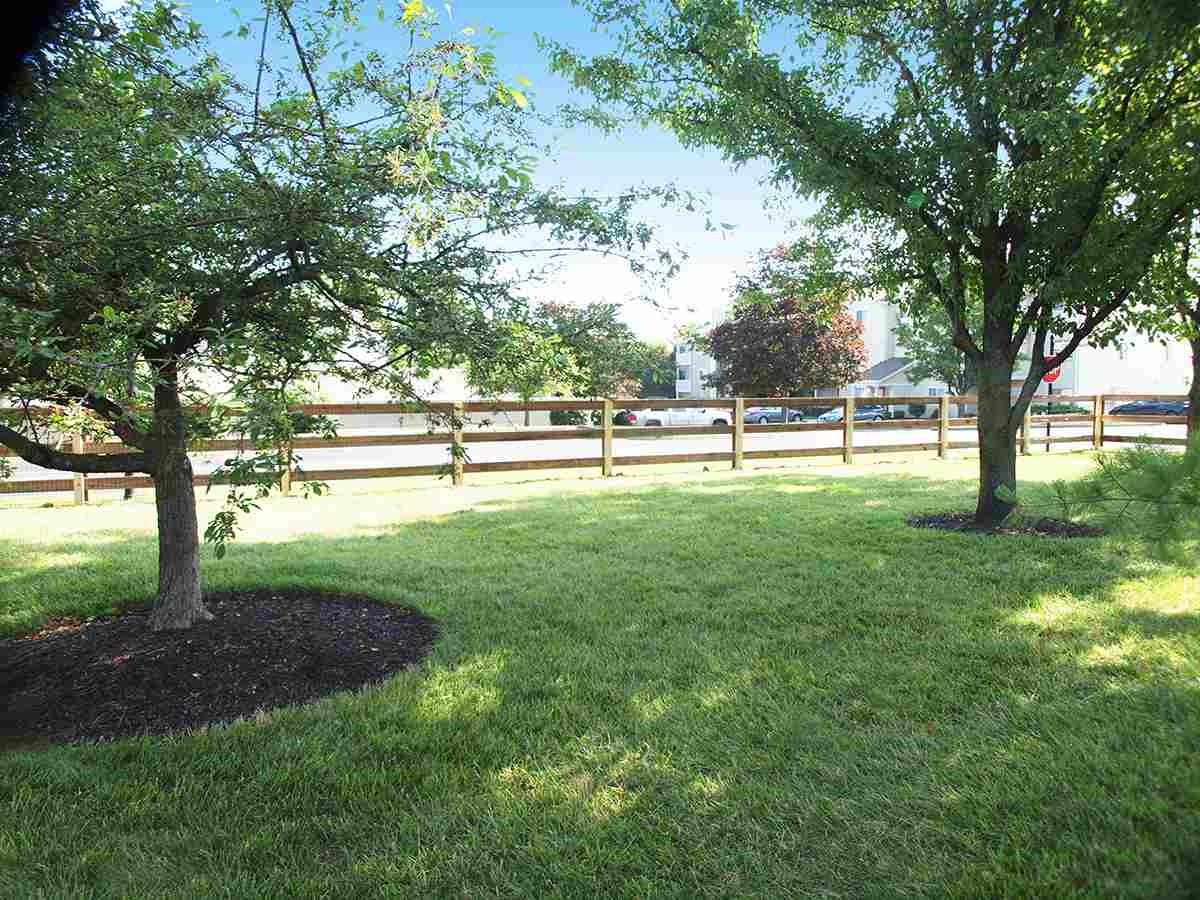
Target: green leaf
413	9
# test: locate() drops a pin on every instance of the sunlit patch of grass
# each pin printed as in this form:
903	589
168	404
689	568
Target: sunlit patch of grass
797	488
732	684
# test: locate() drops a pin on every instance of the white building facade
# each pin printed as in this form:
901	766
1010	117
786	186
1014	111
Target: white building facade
1136	365
692	368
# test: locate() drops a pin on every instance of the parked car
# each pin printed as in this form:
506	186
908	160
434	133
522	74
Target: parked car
1151	408
765	415
861	414
687	417
625	417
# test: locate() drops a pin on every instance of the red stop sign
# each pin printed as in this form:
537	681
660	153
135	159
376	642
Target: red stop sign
1053	375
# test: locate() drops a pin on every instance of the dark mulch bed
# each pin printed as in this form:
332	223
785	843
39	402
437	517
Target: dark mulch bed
965	521
112	677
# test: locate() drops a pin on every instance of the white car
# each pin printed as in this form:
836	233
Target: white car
687	417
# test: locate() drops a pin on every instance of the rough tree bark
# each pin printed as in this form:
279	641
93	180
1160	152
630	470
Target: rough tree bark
179	600
997	438
1193	419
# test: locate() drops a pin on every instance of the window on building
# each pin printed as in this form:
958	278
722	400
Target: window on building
936	392
684	373
858	316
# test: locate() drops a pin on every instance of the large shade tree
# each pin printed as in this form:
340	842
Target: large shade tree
213	238
785	348
523	360
611	359
1045	150
785	338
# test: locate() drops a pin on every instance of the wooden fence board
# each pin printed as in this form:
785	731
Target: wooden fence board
548	434
1145	420
1130	439
349	474
1073	439
794	426
42	486
655	459
519	465
676	430
1062	418
899	424
793	452
894	448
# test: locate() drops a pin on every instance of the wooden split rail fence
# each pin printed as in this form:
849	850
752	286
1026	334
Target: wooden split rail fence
607	433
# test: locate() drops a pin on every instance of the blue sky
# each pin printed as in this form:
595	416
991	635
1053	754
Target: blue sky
589	160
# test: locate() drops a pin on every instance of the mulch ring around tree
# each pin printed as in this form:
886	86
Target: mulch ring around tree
112	677
965	522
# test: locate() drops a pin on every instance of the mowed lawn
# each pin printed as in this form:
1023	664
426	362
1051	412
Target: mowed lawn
715	685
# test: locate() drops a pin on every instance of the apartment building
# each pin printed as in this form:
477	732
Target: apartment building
692	366
1135	365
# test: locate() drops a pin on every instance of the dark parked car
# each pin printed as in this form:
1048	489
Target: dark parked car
861	414
625	417
1151	408
765	415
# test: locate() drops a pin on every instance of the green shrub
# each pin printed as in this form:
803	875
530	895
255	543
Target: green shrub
577	417
567	417
1059	409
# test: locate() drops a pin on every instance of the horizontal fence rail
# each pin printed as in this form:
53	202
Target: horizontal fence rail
733	417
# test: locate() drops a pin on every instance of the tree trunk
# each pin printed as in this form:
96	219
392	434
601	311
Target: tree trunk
997	440
179	602
130	393
1193	419
526	418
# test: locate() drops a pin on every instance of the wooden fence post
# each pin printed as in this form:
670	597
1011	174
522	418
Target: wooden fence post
848	430
456	437
606	440
285	477
739	432
943	426
1026	424
79	481
1098	422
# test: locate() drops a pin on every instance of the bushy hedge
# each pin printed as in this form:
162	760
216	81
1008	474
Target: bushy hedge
1056	409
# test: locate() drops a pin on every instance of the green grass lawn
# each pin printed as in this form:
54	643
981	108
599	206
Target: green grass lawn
711	685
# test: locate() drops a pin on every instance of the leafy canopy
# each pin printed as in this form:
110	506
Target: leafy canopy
1042	150
523	360
611	359
176	241
781	341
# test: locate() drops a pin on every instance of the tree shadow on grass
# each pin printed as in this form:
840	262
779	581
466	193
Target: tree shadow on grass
679	691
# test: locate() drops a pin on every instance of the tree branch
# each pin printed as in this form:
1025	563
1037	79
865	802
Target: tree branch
41	455
116	416
312	85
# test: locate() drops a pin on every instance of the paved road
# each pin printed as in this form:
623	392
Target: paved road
627	444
